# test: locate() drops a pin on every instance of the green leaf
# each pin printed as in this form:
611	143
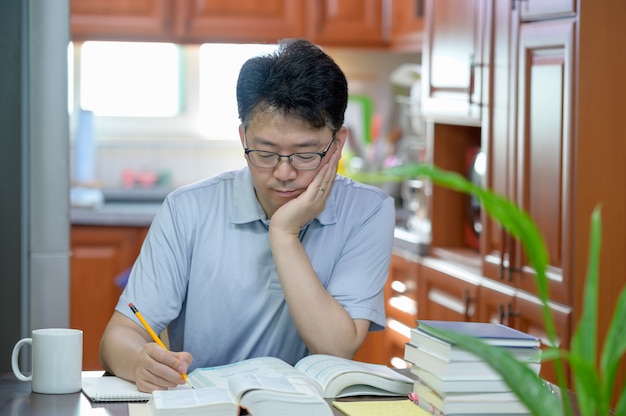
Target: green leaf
583	345
584	338
588	386
620	408
551	354
614	348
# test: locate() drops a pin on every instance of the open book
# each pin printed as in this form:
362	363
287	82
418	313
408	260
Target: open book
270	386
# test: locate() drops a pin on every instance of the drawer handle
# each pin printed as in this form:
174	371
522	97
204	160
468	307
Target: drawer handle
467	301
516	1
472	83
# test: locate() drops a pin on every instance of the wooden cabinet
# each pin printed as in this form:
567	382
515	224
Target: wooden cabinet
238	21
451	145
550	130
345	22
453	58
544	146
187	21
552	136
531	155
353	23
99	256
407	24
120	19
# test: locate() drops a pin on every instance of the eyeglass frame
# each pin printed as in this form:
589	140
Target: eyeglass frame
321	154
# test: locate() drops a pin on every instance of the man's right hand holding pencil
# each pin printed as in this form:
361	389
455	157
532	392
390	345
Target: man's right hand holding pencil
151	367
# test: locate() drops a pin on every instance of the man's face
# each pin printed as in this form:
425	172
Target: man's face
284	135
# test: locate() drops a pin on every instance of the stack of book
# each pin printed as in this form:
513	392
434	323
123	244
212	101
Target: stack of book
452	381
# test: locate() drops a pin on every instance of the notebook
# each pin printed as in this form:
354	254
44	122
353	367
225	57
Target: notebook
112	389
381	408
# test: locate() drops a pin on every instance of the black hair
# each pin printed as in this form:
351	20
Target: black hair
299	80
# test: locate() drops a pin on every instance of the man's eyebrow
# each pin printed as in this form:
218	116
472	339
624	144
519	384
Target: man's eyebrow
266	142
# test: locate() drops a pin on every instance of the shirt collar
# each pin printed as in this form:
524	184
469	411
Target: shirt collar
246	207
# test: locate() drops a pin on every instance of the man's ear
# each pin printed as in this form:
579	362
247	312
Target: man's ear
241	135
341	136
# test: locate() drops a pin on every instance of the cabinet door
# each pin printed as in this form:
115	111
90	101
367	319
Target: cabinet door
120	19
407	24
453	61
99	255
498	137
545	147
239	21
444	296
345	22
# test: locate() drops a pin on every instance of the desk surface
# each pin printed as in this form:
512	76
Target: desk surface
16	399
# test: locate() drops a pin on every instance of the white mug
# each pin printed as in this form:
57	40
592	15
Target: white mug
57	360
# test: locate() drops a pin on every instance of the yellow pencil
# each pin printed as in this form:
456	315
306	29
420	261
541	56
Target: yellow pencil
154	336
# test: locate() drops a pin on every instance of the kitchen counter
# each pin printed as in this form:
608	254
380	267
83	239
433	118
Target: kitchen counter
135	214
407	242
134	207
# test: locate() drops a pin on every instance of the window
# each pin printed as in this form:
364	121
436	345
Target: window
219	70
130	79
160	90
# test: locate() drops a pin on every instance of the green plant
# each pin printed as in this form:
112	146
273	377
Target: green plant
593	379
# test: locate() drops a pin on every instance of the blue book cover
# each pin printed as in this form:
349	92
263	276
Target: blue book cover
491	333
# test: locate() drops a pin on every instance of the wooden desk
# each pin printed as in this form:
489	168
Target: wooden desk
17	399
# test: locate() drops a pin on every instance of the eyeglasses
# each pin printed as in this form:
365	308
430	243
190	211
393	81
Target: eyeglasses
300	161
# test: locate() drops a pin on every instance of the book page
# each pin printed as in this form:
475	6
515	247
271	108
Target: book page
265	373
325	369
138	409
188	398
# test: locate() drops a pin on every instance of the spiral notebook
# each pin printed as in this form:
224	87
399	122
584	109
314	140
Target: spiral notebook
112	389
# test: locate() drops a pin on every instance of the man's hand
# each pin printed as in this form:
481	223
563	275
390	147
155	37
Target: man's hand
128	352
322	322
159	369
295	214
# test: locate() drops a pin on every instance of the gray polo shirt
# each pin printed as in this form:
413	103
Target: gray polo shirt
206	271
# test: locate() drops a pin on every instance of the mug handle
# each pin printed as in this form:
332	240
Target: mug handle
14	359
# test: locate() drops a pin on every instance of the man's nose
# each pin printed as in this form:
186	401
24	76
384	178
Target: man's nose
284	170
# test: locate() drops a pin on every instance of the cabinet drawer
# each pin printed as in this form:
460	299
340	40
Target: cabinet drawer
544	9
444	296
401	290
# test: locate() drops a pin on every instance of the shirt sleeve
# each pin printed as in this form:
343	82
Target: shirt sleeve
361	271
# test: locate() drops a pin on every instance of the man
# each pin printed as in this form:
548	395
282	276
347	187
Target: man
282	258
